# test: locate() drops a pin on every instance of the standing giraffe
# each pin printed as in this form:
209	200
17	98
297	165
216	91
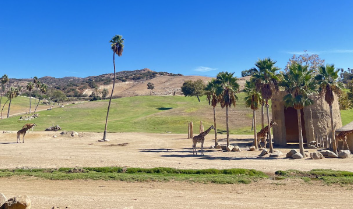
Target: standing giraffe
343	136
261	135
23	131
200	138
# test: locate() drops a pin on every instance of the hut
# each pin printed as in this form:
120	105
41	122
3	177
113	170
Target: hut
315	119
347	128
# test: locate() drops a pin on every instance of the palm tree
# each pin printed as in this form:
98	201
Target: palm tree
30	87
43	90
117	45
213	99
328	84
12	93
253	100
299	84
227	86
266	81
4	80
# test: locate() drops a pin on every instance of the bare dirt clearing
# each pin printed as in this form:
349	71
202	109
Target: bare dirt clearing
42	150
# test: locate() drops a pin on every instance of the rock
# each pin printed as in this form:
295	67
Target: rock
264	152
291	153
218	146
3	199
229	148
332	155
54	136
18	202
276	154
252	148
236	149
297	156
101	140
74	133
325	152
344	154
316	155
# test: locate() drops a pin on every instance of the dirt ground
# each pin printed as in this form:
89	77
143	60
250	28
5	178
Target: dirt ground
43	150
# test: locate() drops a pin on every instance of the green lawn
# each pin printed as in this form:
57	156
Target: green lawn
152	114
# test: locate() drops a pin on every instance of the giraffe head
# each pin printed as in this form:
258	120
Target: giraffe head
273	123
212	127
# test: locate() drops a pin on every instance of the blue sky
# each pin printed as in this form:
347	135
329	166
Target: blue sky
194	37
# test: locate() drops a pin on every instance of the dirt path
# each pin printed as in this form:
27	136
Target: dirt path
42	150
81	194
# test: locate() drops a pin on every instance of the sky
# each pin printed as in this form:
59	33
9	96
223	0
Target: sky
62	38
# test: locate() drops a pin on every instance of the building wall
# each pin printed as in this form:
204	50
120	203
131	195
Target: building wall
317	118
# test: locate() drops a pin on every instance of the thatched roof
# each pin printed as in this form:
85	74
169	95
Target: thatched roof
347	127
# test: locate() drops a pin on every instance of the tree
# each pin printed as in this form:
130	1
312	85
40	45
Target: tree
4	80
227	86
104	93
249	72
266	81
117	45
299	84
213	99
193	88
313	61
150	86
327	80
11	94
58	96
43	90
253	100
30	87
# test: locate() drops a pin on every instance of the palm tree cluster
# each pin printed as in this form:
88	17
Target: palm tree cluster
299	83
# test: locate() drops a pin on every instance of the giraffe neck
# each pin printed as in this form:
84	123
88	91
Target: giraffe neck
206	132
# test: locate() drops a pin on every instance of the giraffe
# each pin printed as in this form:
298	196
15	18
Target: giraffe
343	136
23	131
261	135
200	138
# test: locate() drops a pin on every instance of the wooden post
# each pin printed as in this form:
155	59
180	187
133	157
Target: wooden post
201	127
191	130
317	141
188	130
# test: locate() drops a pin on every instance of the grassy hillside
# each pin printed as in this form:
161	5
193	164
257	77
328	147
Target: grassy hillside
153	114
156	114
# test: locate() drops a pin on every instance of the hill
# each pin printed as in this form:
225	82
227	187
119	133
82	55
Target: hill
128	83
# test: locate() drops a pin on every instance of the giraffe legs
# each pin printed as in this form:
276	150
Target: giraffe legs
194	149
23	141
202	148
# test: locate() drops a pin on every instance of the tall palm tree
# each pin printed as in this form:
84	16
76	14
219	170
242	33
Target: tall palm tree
266	81
329	84
4	80
299	84
12	93
227	86
253	100
43	90
30	87
117	45
213	99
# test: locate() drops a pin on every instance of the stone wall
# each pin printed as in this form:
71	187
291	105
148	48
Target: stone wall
316	116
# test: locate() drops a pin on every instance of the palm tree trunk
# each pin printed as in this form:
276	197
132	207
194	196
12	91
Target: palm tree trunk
227	126
3	107
36	106
0	102
110	100
215	127
198	97
8	111
30	102
334	144
269	129
262	116
254	123
301	145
